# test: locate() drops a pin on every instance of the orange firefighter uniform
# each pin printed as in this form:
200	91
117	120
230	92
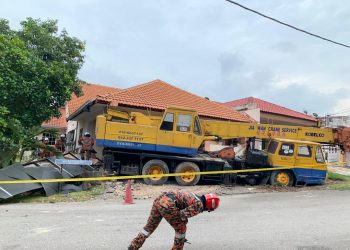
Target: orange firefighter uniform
176	208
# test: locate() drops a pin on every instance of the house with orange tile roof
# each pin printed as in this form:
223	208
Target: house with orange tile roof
151	98
90	91
270	113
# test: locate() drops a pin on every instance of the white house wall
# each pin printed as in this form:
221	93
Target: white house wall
253	113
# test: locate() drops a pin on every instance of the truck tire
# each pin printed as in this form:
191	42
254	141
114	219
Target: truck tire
282	178
187	180
155	167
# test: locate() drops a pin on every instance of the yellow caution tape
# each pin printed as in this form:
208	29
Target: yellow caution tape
110	178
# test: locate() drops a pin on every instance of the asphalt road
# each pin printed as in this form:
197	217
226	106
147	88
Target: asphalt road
295	220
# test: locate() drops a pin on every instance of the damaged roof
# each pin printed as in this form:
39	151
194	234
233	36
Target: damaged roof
159	95
37	170
90	92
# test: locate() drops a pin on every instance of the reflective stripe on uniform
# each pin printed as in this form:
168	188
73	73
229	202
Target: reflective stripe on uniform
197	198
144	232
180	236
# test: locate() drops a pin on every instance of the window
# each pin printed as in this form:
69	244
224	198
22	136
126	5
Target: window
70	136
197	126
80	133
272	147
168	122
52	138
184	123
319	155
287	149
304	151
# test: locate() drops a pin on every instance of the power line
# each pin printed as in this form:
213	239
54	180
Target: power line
288	25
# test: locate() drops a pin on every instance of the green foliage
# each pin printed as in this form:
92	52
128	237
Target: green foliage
38	73
337	177
4	27
10	136
341	186
345	181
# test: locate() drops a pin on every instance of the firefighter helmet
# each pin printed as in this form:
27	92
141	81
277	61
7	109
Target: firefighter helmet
211	201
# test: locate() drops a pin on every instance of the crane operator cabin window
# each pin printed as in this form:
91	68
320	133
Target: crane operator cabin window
304	151
272	147
287	149
184	123
319	155
197	126
168	122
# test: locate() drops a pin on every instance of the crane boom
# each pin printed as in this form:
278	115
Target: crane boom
152	133
228	130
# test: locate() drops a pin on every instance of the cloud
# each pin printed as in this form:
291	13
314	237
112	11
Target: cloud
303	97
239	78
284	47
342	106
211	48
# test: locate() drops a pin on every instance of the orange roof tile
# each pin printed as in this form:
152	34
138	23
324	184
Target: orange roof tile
159	95
57	122
90	92
269	107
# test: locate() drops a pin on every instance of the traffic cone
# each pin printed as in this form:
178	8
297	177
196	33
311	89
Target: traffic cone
128	194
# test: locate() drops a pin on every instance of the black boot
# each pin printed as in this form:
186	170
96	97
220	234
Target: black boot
178	243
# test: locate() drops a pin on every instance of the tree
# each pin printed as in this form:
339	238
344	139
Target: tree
38	73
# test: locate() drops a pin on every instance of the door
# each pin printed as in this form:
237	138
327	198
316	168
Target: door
285	155
165	136
183	134
319	172
304	162
197	136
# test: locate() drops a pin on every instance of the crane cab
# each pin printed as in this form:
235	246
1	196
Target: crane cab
304	159
179	131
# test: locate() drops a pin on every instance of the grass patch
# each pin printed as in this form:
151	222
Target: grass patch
340	186
345	179
338	177
71	197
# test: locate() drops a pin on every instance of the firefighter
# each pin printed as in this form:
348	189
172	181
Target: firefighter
61	143
176	208
87	144
45	152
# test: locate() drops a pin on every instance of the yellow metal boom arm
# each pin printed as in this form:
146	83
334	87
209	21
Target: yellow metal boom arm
229	130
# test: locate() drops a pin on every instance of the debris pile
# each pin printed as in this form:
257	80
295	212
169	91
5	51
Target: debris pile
37	170
142	191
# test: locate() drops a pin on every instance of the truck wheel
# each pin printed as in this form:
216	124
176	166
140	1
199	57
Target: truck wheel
190	179
155	167
281	178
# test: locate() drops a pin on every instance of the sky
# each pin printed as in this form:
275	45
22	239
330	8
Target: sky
211	48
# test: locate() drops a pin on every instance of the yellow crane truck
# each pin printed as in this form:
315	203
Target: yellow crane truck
135	144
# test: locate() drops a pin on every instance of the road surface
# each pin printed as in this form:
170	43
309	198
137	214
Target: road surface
295	220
